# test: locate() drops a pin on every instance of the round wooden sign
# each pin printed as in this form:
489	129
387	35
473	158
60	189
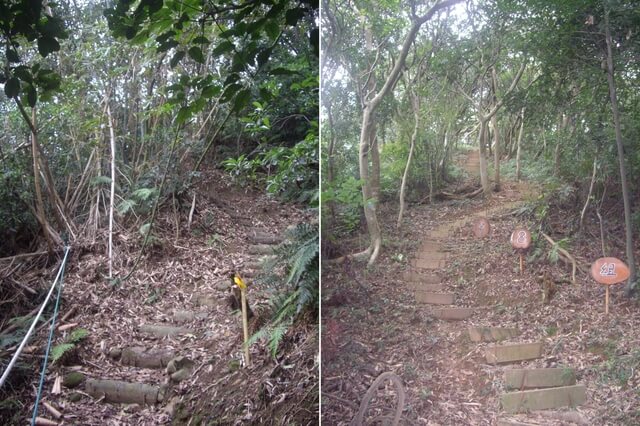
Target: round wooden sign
481	227
521	238
609	270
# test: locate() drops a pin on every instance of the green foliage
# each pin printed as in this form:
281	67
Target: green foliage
69	344
242	170
347	199
21	24
296	274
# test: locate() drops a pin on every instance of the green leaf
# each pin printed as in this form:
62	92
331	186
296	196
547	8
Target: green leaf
225	46
12	55
23	73
12	87
272	29
177	57
293	15
77	335
196	54
47	45
263	57
184	114
242	100
32	96
200	40
282	71
211	91
230	91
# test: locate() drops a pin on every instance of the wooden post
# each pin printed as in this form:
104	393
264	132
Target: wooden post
245	324
521	264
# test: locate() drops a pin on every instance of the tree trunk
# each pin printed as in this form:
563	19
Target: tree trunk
484	173
112	144
623	176
330	160
367	193
415	103
519	147
496	133
367	114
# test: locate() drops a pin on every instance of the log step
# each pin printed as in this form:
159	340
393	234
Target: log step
429	288
539	378
431	255
513	353
208	300
138	356
434	298
413	276
491	334
260	237
180	316
543	399
260	249
125	392
163	330
454	314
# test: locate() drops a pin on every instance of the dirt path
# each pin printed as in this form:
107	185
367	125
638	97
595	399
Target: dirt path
463	329
165	346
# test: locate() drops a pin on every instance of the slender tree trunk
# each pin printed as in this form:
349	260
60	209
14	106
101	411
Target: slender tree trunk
484	173
519	146
112	139
623	176
496	133
367	192
415	103
330	160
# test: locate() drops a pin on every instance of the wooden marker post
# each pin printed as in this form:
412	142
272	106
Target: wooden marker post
481	227
608	271
520	241
245	318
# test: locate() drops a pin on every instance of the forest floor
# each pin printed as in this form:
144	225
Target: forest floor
184	281
372	322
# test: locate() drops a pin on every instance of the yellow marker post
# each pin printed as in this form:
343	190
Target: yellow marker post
245	319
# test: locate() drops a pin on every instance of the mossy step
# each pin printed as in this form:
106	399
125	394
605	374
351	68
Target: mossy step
260	249
163	330
491	334
520	378
428	263
139	356
261	237
125	392
543	399
453	314
181	316
516	352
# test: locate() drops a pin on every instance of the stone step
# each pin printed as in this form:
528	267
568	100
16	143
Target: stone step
125	392
208	300
498	354
163	330
428	264
491	334
423	278
454	314
520	378
543	399
434	298
429	288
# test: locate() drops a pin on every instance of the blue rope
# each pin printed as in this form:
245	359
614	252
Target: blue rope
53	326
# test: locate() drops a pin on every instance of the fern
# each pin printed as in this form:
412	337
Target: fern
295	270
58	351
78	335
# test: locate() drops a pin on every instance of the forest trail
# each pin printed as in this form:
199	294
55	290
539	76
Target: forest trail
526	389
165	347
466	332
